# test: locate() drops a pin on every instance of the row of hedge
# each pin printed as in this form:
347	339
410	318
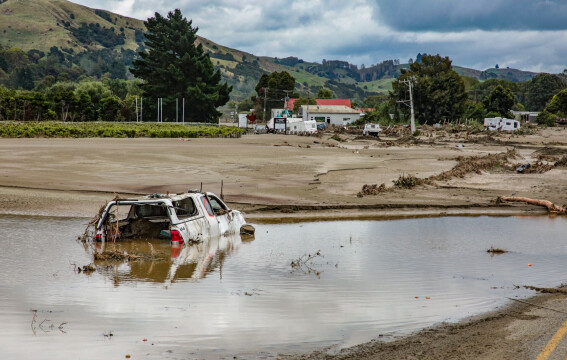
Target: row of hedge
52	129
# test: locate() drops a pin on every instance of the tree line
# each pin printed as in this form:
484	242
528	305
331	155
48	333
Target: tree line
441	95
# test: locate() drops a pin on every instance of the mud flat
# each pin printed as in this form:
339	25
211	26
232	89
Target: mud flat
275	178
278	176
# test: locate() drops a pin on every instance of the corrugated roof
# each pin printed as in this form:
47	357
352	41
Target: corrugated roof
324	102
330	109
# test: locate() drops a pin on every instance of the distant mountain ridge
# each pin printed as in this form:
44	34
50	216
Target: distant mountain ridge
73	28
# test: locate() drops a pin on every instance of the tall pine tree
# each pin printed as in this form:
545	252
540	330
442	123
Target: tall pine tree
174	68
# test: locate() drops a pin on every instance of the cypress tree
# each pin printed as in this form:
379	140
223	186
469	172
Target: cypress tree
174	68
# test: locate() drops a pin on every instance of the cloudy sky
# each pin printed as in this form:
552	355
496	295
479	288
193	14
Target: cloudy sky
523	34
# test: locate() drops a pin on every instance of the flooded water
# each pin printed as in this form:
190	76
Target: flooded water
231	297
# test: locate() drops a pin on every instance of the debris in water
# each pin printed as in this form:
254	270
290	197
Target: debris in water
494	250
305	263
115	255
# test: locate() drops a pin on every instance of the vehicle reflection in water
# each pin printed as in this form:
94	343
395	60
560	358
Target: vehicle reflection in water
156	260
224	298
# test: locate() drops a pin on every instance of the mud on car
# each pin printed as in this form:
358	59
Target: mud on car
187	217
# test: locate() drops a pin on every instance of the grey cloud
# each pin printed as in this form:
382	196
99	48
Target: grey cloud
456	15
316	30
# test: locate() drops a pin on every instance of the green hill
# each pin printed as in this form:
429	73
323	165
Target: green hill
96	40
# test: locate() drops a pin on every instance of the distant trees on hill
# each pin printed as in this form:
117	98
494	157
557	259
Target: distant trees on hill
94	33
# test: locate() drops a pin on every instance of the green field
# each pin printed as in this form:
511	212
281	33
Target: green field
50	129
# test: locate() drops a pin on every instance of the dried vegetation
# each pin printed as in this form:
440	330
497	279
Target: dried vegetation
477	164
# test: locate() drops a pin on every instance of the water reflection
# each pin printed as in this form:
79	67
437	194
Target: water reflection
226	298
157	261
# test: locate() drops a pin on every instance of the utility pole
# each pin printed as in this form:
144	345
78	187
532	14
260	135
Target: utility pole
176	109
286	99
141	109
307	109
236	117
265	98
409	82
183	111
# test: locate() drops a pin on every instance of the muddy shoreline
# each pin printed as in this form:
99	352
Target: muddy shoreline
276	178
519	330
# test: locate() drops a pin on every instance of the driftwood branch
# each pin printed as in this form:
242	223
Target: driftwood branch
551	207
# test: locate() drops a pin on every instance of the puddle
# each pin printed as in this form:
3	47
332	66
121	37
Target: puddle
243	298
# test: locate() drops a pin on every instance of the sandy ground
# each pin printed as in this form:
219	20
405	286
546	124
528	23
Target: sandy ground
274	178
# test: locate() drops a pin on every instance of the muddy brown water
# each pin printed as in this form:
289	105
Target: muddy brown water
230	297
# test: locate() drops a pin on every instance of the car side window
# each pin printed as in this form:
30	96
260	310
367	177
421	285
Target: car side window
207	206
185	208
217	204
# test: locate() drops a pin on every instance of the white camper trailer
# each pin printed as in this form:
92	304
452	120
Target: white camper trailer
502	124
291	125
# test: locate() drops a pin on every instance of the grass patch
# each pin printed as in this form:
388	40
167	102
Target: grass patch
336	138
51	129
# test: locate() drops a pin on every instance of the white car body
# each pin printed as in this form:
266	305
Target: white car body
186	217
372	129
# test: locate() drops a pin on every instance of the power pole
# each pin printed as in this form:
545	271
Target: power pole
265	98
286	99
307	109
236	114
409	82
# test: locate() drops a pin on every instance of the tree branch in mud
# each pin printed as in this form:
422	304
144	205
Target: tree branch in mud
551	207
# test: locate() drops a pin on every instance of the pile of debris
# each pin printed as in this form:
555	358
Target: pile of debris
477	164
408	181
372	189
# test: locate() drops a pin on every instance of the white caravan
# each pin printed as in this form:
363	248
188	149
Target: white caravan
503	124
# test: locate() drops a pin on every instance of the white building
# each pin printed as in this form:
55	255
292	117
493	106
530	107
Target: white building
337	115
